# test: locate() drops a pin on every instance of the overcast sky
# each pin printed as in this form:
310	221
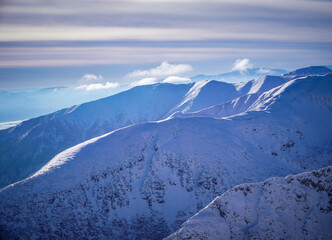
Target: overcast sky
56	43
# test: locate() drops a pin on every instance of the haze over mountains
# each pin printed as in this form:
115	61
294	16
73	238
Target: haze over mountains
145	180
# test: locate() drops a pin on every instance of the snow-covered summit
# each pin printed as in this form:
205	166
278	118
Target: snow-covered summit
295	207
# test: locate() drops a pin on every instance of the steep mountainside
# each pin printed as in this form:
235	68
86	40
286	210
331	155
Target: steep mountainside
295	207
147	179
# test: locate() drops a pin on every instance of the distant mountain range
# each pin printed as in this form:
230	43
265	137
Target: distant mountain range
24	104
143	181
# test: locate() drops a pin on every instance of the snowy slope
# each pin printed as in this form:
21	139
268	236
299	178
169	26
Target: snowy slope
230	108
27	147
205	94
295	207
144	181
208	93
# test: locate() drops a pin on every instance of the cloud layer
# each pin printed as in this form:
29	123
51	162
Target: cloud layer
166	20
119	34
98	55
155	31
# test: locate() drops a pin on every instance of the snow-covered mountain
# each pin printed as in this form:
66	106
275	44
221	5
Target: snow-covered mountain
255	92
27	147
145	180
210	92
295	207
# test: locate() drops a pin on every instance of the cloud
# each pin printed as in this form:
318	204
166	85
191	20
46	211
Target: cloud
242	65
165	69
144	81
264	71
91	77
177	80
98	86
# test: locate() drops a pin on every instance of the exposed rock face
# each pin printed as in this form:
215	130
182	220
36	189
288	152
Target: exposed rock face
295	207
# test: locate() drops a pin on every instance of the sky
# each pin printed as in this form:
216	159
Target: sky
103	44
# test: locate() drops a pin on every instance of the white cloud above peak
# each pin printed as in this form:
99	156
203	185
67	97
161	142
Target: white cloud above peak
98	86
165	69
177	80
242	65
